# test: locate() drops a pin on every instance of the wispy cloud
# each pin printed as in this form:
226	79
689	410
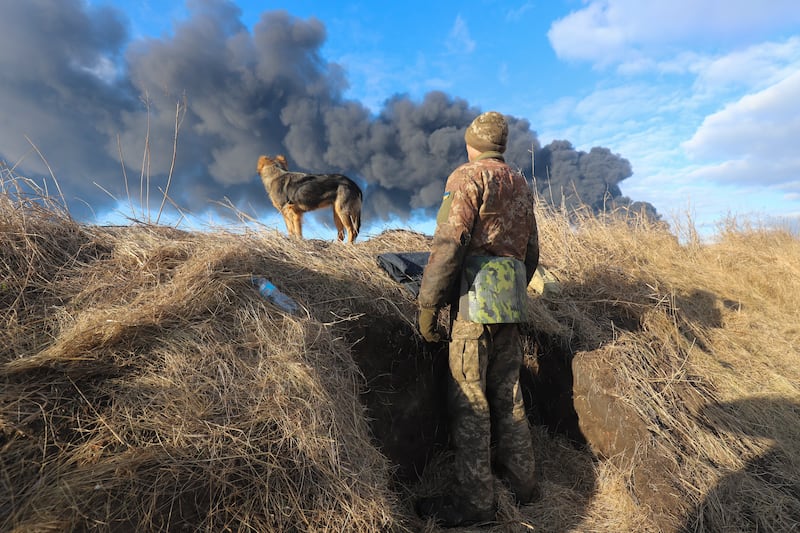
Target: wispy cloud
754	67
609	32
502	73
699	95
754	138
459	40
516	13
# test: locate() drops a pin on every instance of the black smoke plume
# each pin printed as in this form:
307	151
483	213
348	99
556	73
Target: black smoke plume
575	180
100	106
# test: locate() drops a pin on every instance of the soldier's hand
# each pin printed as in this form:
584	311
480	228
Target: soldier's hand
429	324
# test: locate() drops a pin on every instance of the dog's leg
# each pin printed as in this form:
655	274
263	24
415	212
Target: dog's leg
292	218
287	219
337	219
298	223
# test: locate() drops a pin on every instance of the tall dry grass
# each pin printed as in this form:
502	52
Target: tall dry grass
703	342
147	386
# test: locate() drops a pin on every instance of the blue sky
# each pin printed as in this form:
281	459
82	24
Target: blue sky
701	96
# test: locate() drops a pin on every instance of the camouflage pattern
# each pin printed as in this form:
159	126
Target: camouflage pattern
487	210
487	414
493	290
486	215
488	132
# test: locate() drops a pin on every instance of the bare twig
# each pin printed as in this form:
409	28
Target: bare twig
50	170
125	176
180	109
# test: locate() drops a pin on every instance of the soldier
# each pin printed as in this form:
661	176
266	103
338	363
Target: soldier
484	253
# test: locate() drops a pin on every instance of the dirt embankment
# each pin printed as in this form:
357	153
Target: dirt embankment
146	384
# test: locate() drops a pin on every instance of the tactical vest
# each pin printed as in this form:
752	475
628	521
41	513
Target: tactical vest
493	290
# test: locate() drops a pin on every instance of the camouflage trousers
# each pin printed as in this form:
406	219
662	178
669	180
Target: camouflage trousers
487	414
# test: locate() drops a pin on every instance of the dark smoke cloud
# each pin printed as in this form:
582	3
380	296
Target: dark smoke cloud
573	179
86	96
50	92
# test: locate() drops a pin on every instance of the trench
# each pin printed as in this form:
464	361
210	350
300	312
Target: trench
406	384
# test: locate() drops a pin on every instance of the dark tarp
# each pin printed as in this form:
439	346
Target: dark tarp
405	268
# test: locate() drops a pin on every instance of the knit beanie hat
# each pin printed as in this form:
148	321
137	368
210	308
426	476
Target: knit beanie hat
488	132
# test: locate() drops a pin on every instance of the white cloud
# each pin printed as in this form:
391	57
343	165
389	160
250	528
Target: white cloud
619	103
753	139
459	40
741	159
638	120
104	69
716	128
607	32
502	73
517	13
754	67
591	34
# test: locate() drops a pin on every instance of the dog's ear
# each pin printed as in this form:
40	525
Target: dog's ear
282	162
262	162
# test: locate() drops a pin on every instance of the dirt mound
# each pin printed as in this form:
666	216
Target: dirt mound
147	385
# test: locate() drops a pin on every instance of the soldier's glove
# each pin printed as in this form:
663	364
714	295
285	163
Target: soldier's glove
429	324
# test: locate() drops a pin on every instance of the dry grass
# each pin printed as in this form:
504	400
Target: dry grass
147	386
703	343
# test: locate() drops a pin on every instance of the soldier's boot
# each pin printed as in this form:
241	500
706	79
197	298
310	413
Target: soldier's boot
529	494
525	489
446	512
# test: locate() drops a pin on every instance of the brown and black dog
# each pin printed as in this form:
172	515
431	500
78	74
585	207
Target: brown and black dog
295	193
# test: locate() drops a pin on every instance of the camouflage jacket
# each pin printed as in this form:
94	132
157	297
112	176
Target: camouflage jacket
487	210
